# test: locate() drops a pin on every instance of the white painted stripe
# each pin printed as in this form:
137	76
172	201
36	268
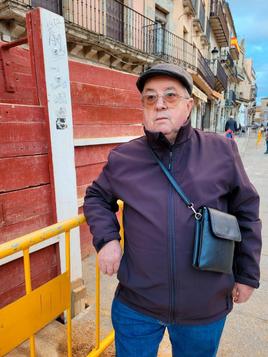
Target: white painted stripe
57	83
103	141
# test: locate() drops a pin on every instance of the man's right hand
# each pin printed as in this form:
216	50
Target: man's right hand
109	257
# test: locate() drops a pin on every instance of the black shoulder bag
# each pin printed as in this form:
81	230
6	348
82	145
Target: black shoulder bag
215	233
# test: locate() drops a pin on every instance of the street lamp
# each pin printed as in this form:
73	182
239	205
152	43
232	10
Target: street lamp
214	53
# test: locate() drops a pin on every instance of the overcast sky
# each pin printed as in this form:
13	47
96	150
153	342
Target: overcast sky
251	18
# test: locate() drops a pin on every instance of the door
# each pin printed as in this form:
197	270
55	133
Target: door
115	20
52	5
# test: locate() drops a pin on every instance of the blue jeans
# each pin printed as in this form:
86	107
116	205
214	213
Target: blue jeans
139	335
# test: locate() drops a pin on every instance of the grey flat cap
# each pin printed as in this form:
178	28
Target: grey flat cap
167	69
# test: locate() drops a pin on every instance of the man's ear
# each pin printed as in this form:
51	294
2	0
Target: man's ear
190	104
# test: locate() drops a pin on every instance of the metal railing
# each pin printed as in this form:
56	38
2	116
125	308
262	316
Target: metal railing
112	19
204	69
24	317
172	48
221	75
230	98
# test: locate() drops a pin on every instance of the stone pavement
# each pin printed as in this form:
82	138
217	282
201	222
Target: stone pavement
246	331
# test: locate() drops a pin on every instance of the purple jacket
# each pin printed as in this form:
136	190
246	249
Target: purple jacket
156	276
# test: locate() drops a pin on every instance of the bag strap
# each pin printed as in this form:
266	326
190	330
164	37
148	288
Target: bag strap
176	187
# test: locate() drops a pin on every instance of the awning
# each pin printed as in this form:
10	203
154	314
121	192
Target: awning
199	94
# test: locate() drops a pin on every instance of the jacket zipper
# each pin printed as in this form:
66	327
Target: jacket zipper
172	243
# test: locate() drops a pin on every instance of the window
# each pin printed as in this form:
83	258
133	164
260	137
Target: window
52	5
159	38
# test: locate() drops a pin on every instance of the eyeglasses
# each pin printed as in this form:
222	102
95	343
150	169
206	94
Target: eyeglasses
170	98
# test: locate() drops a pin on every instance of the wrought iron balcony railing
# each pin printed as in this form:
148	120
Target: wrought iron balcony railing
220	76
171	47
204	70
230	98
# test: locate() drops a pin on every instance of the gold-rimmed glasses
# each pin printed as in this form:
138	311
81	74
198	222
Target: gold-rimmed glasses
170	98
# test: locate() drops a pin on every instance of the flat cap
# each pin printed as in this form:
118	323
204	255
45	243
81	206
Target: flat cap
166	69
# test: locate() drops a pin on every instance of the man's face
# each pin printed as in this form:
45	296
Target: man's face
167	106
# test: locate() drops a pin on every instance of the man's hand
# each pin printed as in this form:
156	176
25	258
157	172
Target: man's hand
241	293
109	257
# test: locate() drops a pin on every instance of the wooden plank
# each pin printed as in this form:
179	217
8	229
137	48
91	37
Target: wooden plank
86	241
15	292
92	155
86	174
96	114
20	60
18	139
21	113
87	247
20	172
95	131
25	90
22	149
21	205
99	95
81	190
26	226
83	73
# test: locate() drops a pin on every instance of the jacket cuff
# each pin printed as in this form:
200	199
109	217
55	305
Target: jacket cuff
101	243
246	281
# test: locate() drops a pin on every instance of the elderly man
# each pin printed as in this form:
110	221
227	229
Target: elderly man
231	124
158	286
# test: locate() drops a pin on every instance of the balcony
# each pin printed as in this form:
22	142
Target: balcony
221	78
172	48
218	23
230	65
189	7
231	98
204	70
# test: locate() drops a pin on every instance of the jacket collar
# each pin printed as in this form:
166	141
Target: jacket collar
158	139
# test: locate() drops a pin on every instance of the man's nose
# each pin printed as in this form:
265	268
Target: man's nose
160	103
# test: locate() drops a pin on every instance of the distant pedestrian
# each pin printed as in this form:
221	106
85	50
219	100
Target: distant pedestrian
259	137
229	134
231	124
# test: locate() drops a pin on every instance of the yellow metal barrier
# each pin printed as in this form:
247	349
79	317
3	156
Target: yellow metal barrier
24	317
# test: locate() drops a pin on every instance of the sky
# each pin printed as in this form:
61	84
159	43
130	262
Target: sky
250	19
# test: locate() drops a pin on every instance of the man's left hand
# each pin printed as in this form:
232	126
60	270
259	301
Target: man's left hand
241	293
